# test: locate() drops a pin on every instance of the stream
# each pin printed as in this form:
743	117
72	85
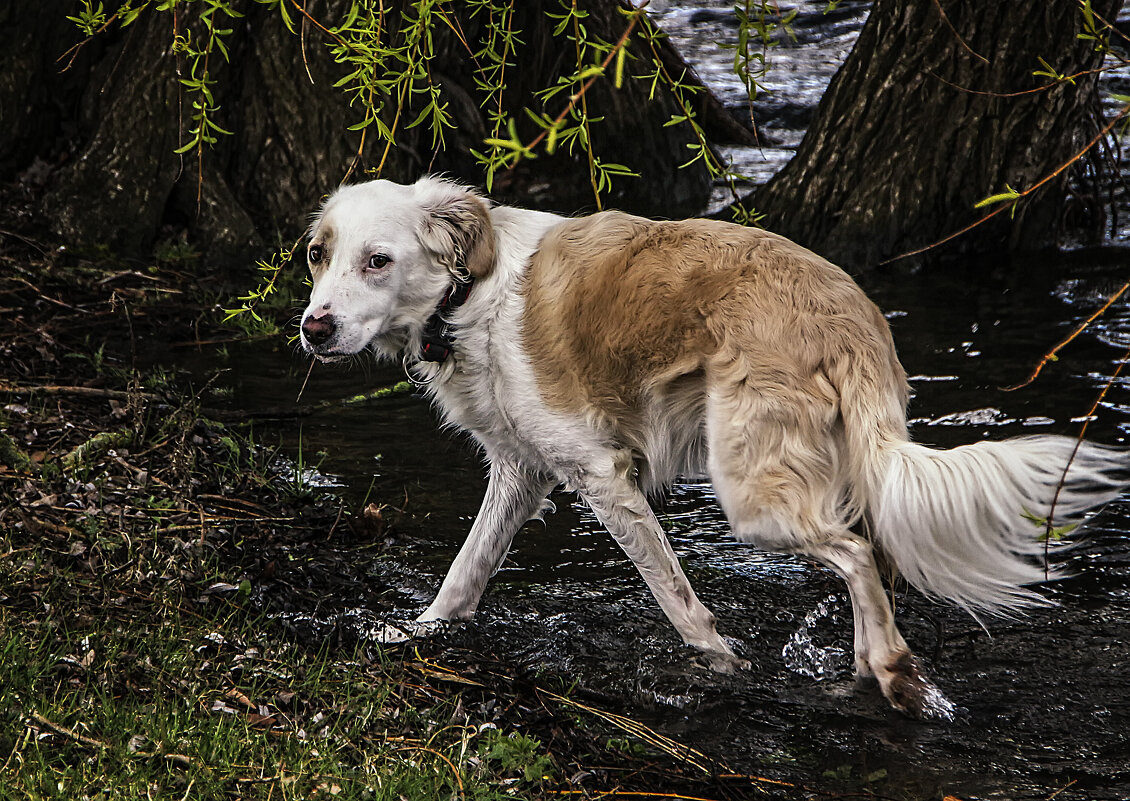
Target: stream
1043	701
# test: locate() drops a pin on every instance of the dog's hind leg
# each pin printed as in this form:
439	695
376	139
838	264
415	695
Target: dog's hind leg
776	465
514	495
612	493
880	649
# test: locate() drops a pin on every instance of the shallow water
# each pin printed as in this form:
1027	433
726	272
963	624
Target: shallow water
802	62
1043	703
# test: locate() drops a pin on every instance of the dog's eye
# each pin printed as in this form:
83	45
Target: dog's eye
378	260
314	254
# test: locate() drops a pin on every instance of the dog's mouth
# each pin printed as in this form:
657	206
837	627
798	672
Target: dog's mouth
343	349
324	352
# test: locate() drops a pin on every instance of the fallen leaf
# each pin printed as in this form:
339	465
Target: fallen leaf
237	696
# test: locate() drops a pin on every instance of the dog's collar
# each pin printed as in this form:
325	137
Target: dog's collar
438	338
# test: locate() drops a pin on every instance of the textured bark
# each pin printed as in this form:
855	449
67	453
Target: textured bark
923	120
105	132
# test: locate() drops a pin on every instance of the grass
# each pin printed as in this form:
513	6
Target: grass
144	650
149	558
109	691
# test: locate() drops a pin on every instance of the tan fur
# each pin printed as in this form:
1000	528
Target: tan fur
627	317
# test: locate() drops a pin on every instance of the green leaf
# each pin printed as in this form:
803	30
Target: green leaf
589	72
621	55
507	144
1010	194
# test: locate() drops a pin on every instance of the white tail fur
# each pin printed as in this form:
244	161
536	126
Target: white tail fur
964	524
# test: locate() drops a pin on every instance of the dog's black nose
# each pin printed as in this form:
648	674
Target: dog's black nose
318	330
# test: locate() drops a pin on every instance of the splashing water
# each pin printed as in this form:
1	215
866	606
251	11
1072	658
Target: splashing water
801	653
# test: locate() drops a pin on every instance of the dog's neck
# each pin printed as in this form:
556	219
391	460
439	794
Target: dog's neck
438	340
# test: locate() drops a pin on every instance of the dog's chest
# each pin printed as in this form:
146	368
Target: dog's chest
493	396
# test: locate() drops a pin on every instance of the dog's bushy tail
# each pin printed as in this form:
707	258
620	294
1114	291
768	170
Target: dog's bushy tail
970	524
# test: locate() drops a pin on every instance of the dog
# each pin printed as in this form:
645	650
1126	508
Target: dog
611	353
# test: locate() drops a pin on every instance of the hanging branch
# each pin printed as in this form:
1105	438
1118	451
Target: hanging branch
1050	532
1012	197
1051	356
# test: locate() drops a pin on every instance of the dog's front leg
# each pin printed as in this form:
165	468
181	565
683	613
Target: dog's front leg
514	495
623	508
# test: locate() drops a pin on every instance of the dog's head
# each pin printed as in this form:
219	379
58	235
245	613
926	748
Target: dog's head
382	256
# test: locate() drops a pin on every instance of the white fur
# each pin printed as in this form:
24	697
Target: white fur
960	524
953	522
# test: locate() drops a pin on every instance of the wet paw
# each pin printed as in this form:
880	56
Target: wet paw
723	662
910	692
390	634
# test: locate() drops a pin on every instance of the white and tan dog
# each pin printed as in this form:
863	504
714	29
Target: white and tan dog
612	353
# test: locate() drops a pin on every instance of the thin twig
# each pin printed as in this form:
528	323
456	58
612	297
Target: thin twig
962	42
674	748
450	764
1049	527
46	297
585	113
305	380
24	239
1021	195
630	794
1061	789
75	48
457	29
301	8
1051	354
340	511
58	728
580	93
302	43
20	743
1033	91
89	392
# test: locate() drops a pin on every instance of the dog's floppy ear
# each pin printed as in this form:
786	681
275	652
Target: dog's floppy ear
457	227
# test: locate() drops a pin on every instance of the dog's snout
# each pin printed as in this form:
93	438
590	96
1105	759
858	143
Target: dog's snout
318	330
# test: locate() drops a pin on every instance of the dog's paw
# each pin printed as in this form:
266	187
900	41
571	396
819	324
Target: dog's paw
389	634
724	662
910	692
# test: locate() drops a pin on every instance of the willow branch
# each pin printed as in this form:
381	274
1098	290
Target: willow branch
1051	354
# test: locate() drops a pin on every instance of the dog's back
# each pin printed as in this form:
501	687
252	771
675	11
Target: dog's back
700	343
636	324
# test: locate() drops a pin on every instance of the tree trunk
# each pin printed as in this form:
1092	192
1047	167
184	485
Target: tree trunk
935	109
103	134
